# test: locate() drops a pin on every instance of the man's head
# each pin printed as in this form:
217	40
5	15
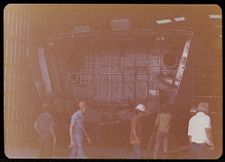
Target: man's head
82	106
203	107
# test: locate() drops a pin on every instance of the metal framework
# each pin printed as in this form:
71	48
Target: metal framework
116	73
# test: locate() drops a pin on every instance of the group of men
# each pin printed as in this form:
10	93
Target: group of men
199	132
44	126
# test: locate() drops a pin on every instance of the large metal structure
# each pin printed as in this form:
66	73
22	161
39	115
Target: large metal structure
115	67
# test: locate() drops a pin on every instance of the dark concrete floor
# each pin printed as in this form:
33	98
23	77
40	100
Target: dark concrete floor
92	152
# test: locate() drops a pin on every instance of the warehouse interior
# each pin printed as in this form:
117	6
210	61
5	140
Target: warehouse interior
113	57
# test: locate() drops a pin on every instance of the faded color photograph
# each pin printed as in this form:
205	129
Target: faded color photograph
118	81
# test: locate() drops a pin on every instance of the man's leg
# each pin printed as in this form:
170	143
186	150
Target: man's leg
73	153
202	152
195	151
80	151
208	152
135	152
138	151
41	147
165	145
79	144
157	145
49	146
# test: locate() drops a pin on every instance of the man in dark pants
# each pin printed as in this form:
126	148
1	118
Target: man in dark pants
200	133
44	126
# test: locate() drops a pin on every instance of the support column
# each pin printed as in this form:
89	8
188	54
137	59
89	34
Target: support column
44	71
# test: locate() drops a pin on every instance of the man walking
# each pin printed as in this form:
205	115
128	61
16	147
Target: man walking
44	126
200	133
76	131
136	129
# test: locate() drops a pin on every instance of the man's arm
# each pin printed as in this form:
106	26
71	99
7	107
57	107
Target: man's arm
189	138
52	130
135	133
53	135
71	135
36	128
133	129
85	133
208	131
157	120
189	130
209	136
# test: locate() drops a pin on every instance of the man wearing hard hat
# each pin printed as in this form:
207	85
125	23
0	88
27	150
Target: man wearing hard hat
200	133
136	128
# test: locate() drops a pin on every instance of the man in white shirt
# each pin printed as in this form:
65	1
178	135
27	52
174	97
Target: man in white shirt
200	133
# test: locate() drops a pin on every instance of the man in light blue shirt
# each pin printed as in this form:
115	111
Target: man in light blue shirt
76	131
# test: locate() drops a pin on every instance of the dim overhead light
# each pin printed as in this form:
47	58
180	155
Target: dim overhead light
179	18
120	24
81	29
164	21
215	16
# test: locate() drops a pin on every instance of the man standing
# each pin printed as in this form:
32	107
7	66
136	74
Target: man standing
44	126
163	121
200	133
136	129
76	131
